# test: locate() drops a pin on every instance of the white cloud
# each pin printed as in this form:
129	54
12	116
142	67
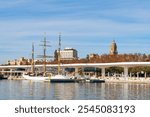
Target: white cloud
71	28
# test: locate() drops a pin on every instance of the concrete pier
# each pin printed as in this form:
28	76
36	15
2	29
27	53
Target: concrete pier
10	71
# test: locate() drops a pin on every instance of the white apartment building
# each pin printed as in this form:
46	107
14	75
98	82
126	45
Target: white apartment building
68	54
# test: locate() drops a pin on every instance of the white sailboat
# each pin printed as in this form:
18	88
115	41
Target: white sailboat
32	76
60	77
35	78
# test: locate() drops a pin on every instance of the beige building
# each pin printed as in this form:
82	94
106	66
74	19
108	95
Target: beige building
113	48
21	61
91	56
68	54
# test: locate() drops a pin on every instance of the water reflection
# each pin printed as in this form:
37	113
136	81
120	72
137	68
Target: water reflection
27	90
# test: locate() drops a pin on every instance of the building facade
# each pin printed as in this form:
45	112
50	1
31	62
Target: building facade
21	61
113	48
67	54
91	56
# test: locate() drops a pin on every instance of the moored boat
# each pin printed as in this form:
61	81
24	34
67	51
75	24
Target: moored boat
3	77
63	79
93	79
59	77
32	75
97	80
35	78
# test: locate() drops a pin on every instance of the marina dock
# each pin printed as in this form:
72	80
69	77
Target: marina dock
10	72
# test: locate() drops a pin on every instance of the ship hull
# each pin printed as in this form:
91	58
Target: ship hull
35	78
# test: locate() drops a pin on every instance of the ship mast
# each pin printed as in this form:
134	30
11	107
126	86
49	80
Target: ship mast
44	56
32	63
59	48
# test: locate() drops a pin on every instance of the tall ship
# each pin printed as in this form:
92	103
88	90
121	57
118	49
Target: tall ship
59	77
45	75
32	74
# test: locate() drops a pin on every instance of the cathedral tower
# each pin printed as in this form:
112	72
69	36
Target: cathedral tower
113	48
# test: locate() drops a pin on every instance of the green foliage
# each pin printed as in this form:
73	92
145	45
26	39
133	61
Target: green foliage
139	69
118	70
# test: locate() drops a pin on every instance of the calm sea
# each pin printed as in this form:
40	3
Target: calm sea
27	90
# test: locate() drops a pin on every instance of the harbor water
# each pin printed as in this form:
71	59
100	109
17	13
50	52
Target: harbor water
28	90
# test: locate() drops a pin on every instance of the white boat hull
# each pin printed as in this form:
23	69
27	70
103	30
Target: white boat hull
59	77
35	78
62	79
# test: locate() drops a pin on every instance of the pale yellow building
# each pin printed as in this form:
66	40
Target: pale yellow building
68	54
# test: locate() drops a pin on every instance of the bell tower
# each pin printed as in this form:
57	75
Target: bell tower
113	48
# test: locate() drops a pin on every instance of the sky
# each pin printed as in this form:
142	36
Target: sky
89	26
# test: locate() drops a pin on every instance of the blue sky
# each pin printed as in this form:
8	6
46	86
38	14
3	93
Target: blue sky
87	25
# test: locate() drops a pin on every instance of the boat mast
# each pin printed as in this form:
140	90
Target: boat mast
44	56
59	48
32	63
